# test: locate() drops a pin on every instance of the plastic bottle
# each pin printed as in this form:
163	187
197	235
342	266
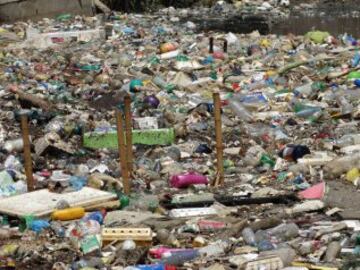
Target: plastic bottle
158	253
185	180
180	257
332	251
347	140
159	266
304	111
265	245
303	90
14	145
249	236
240	110
6	179
345	106
68	214
284	231
169	55
209	225
162	84
286	254
293	152
356	60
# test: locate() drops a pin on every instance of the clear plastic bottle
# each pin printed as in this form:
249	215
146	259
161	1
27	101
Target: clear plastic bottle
303	90
249	236
180	257
240	110
284	232
345	106
286	254
332	251
347	140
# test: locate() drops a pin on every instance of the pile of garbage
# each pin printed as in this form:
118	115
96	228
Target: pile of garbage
290	135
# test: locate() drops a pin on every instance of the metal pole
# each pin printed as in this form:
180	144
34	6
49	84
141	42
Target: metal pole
128	130
219	146
122	152
27	153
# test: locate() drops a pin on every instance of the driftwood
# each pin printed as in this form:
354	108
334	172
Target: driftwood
32	99
291	66
100	5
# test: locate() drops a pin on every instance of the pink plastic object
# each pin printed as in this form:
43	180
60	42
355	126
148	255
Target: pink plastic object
157	253
185	180
315	192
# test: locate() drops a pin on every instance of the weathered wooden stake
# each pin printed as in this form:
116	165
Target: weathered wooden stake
219	145
128	130
225	48
122	152
211	45
27	153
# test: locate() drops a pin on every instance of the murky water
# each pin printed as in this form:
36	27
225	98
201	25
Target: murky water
335	25
298	24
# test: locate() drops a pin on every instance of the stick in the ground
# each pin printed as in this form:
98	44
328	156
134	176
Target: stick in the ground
27	153
211	44
122	152
128	129
219	145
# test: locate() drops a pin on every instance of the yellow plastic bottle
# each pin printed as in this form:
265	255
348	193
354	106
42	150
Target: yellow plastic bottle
68	214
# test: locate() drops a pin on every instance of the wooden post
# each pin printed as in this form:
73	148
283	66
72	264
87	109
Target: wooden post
27	153
128	130
122	152
219	146
211	45
225	48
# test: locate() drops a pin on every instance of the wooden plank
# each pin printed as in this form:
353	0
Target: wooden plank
43	202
